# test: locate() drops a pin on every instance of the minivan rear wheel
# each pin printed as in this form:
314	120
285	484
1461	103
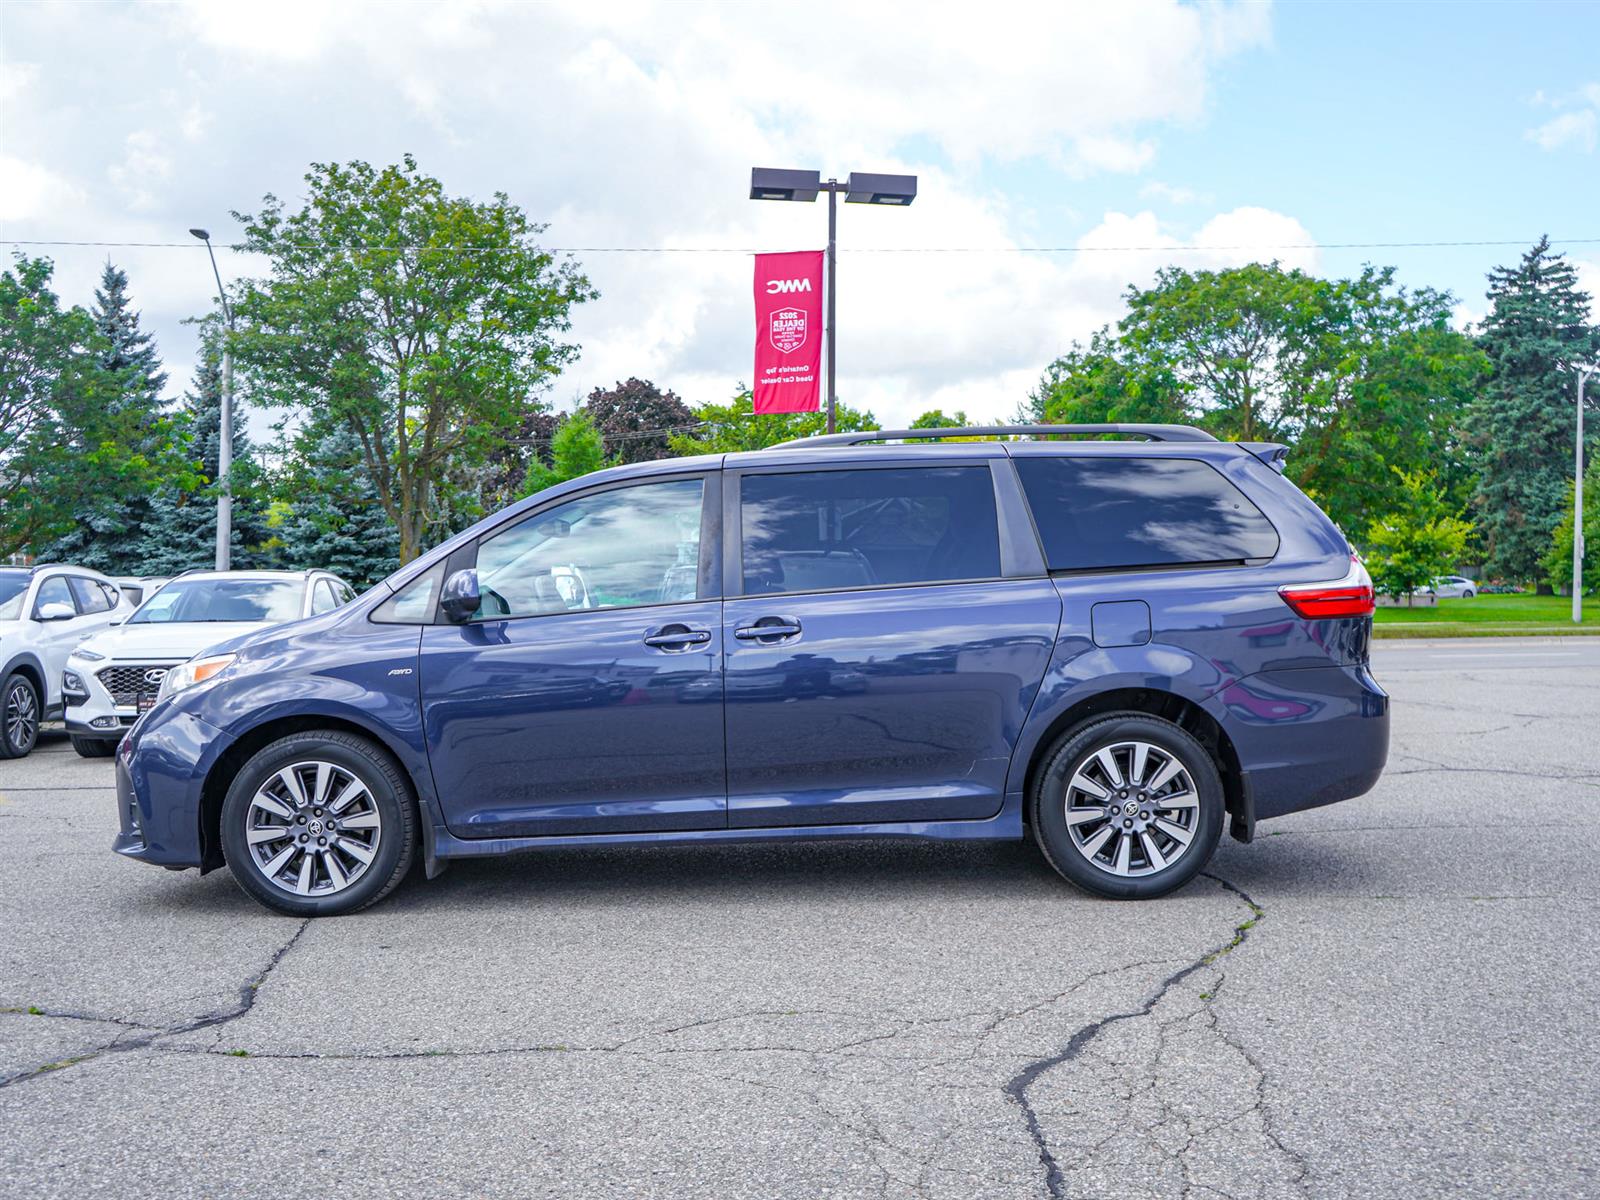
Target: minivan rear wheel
318	824
1129	806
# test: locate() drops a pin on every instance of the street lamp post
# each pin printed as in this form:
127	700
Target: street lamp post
1577	501
768	183
225	441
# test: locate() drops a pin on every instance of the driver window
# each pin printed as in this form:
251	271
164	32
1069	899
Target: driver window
53	591
614	549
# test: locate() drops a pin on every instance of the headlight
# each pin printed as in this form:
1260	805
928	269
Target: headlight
196	670
87	655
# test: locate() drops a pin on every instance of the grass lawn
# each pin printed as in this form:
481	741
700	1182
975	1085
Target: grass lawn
1490	616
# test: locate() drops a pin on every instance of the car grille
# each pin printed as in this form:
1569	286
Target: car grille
128	684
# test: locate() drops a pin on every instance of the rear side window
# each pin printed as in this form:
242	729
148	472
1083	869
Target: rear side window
1098	514
826	530
91	597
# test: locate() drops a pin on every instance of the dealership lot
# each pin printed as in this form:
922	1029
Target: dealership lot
1392	997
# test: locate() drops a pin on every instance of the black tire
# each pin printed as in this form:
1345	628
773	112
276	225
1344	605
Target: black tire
93	747
1468	594
1049	800
21	709
392	799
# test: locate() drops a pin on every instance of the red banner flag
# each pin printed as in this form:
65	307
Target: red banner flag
788	374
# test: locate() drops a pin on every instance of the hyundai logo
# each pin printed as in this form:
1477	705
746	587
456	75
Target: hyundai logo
155	674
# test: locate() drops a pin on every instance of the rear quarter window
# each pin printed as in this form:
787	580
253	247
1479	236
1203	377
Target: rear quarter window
1111	513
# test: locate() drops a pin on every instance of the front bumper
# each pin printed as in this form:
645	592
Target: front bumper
1306	737
91	710
161	772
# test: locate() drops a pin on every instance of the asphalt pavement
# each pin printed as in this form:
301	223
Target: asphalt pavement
1391	997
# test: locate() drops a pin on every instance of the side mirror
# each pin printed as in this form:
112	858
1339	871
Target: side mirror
56	611
461	596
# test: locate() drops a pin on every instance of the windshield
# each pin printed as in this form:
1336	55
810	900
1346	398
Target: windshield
13	586
273	600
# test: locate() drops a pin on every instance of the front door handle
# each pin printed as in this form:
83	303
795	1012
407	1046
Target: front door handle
775	628
677	637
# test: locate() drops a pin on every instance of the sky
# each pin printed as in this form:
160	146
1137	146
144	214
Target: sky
1127	136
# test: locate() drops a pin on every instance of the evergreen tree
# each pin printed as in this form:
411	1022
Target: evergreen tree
577	449
1522	422
334	519
181	530
110	519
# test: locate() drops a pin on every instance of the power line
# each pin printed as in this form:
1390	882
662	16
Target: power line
1145	249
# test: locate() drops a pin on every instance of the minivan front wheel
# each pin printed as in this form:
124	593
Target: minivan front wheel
1130	806
318	824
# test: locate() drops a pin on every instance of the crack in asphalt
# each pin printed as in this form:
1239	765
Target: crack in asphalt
1017	1088
152	1034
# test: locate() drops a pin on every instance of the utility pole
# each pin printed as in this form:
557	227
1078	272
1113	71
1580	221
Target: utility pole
833	287
225	440
1577	502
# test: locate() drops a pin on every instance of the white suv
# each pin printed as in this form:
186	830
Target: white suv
113	677
44	612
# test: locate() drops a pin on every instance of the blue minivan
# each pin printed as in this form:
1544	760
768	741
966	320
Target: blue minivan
1113	646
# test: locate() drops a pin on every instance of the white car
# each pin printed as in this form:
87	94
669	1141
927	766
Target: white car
1451	587
114	676
44	612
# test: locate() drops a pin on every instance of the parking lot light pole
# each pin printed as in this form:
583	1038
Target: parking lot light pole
767	183
1577	501
225	440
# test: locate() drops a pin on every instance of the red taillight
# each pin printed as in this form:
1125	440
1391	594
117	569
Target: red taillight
1351	596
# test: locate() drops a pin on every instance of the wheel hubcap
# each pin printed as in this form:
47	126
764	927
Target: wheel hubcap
22	715
313	829
1132	808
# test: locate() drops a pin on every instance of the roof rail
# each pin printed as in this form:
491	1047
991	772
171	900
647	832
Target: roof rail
1155	433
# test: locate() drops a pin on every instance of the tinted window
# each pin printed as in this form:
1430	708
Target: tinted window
1101	513
613	549
845	529
90	596
52	591
412	604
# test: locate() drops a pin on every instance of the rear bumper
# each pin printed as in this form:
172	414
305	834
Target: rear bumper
161	768
1306	738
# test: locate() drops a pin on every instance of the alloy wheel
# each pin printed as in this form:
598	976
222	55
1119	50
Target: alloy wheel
313	828
1132	808
21	716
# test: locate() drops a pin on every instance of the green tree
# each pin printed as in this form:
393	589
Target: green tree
1093	385
329	515
636	417
937	418
180	531
1357	375
1521	423
1412	546
1558	558
422	322
726	428
110	520
577	449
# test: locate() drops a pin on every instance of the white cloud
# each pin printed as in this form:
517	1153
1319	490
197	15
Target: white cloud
1183	196
1578	126
636	124
29	191
1569	129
